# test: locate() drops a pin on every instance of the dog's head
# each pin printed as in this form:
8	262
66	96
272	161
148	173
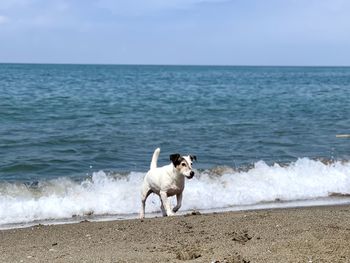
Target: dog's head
183	164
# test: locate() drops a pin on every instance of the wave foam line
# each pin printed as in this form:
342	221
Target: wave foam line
105	194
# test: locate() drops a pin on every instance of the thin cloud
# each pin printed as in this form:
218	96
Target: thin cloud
3	20
143	7
27	14
13	4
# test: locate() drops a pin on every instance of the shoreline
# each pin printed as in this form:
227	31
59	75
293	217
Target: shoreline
319	202
304	234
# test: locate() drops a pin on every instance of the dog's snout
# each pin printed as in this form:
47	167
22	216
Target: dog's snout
191	175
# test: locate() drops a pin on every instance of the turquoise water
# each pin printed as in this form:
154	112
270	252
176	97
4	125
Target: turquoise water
72	120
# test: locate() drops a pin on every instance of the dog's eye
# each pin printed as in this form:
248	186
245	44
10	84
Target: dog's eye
183	164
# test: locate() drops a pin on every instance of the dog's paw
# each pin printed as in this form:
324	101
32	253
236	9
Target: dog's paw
170	214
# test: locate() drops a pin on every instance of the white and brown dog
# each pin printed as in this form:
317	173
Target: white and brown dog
167	181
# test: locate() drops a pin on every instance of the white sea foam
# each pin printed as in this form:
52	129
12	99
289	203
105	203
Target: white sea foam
105	194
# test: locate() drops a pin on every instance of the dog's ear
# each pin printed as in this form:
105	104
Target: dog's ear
193	157
175	158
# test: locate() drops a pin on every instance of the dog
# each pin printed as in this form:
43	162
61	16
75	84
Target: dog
167	181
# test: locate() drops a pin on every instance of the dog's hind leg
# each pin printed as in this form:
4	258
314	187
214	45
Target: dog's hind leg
179	201
162	208
144	194
166	203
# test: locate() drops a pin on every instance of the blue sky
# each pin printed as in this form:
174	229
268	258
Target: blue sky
219	32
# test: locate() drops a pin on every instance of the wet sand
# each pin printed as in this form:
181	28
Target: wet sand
316	234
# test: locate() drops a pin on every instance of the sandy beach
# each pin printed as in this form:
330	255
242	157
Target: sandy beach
316	234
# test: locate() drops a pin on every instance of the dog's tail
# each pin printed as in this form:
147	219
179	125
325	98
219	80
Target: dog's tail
155	159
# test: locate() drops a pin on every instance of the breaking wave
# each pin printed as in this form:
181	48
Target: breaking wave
218	188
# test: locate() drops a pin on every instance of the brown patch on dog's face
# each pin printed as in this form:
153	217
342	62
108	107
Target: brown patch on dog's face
175	159
183	165
193	157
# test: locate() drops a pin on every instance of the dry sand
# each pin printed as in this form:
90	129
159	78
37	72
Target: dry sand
317	234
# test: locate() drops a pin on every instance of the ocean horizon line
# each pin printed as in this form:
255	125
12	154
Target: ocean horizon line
176	65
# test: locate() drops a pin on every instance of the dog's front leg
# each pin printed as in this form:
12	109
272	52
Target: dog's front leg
179	201
166	203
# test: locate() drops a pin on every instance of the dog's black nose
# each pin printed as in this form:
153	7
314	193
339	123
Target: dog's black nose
191	173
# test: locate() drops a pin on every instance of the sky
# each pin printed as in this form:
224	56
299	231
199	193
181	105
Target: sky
185	32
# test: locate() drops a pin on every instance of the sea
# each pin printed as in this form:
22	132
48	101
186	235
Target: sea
77	140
